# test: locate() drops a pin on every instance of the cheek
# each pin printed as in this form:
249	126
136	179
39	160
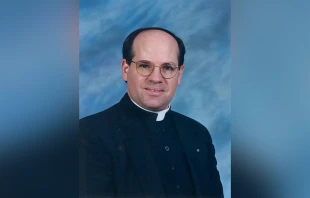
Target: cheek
137	82
172	85
132	84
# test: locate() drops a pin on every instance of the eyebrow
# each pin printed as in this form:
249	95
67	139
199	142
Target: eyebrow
153	62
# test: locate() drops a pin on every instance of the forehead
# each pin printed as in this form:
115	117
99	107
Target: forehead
155	43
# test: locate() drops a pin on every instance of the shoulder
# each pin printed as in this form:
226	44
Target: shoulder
190	124
185	120
100	121
102	115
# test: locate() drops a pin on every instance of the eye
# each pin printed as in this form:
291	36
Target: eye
144	65
168	68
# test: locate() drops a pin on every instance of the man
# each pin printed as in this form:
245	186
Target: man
140	147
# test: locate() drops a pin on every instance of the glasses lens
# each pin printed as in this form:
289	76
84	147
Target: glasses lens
168	70
145	68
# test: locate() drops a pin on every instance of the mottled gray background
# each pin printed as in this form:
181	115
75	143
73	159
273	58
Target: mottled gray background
204	93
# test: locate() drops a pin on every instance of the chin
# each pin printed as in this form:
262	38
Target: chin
154	107
154	103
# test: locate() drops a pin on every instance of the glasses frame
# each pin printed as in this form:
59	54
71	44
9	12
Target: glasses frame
178	67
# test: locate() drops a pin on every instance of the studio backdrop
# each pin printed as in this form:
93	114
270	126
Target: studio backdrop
204	93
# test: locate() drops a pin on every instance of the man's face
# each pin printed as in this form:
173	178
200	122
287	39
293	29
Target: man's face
158	47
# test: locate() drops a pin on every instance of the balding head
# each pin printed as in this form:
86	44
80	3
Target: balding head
155	45
128	51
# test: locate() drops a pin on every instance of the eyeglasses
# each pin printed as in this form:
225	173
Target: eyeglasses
145	68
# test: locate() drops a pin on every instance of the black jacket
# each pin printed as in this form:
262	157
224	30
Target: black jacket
116	160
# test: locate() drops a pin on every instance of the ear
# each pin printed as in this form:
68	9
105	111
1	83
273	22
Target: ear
180	72
125	70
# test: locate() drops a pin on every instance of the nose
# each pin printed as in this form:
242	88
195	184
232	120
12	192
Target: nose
156	76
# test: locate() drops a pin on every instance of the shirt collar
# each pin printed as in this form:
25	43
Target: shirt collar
160	114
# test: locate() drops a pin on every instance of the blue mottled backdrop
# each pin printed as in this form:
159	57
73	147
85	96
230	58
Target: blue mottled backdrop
204	93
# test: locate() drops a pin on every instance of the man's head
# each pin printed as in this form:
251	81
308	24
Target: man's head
161	48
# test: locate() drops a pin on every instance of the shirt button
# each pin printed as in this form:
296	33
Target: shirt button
177	186
167	148
172	167
120	147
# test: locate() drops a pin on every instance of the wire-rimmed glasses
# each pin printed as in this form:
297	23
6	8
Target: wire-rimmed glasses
145	68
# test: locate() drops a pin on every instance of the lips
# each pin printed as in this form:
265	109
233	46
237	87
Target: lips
154	90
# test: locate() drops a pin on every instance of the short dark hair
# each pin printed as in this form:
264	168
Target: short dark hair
128	53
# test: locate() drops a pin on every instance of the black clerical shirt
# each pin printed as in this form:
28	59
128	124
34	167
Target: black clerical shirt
168	154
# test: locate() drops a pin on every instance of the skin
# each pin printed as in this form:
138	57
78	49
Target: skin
158	47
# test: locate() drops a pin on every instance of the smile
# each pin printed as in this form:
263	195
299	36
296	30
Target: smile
154	90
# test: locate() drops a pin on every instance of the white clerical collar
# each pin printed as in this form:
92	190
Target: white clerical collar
160	114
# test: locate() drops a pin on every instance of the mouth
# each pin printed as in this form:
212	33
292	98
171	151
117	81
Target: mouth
154	90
